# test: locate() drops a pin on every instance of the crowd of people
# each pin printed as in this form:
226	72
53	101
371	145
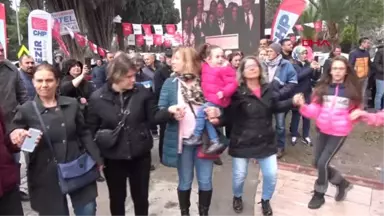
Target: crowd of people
198	103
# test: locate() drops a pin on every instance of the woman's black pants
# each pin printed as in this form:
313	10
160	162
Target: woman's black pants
137	171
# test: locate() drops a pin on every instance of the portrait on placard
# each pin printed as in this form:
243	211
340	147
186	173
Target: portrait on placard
220	21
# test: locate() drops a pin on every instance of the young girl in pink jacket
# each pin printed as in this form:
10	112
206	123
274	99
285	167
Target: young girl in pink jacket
337	94
218	82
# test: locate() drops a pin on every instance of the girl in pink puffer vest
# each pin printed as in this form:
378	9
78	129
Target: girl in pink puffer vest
337	94
218	82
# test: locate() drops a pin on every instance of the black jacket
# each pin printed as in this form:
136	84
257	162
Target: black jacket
160	76
378	63
305	74
84	90
69	135
104	112
252	134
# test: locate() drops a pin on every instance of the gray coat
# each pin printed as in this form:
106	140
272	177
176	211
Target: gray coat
12	90
68	133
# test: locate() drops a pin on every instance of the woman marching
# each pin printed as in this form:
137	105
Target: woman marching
337	94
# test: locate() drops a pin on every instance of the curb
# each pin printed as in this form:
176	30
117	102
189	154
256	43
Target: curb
357	180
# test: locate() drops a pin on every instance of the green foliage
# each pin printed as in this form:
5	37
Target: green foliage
151	12
270	10
310	15
349	35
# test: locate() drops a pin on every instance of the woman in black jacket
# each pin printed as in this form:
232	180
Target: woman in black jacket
74	83
252	136
130	156
69	137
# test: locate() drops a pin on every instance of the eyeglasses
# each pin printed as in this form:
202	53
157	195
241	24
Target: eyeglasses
338	68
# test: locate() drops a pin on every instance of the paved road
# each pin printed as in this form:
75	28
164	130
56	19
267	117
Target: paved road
163	192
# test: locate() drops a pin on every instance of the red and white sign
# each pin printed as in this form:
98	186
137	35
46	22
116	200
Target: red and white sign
127	29
3	29
286	16
40	25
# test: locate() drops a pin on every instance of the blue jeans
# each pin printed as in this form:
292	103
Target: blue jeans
379	94
86	210
280	129
202	122
268	167
186	162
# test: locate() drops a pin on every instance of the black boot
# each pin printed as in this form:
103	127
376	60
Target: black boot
342	190
192	140
317	201
204	202
218	162
184	202
237	204
266	207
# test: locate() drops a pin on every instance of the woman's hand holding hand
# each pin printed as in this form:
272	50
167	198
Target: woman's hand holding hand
212	113
178	111
299	100
83	100
357	113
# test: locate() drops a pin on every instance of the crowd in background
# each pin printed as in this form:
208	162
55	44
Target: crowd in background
196	102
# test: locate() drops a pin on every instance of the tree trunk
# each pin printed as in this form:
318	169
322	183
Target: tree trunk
333	33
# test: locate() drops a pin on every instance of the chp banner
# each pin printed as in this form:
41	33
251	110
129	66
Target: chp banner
40	36
3	29
286	16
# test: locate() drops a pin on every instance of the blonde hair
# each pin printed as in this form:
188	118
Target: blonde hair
190	58
240	70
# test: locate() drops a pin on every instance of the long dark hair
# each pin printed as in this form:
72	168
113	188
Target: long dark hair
351	83
331	55
205	50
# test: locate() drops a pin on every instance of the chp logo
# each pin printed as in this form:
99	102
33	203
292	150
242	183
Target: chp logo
39	28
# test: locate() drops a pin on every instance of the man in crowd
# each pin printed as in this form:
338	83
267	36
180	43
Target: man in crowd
378	63
99	74
27	67
13	93
360	60
287	47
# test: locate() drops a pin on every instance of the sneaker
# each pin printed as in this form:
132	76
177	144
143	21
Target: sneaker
101	179
153	168
266	207
307	141
342	190
192	140
317	201
293	140
237	204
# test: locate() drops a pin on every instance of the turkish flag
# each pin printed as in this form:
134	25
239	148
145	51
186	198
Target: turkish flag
139	40
171	28
157	39
147	29
80	39
127	29
101	51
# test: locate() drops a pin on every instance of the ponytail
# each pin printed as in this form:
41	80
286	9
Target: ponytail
205	50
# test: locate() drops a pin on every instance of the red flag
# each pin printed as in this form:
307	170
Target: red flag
167	42
171	28
57	36
92	46
318	25
147	29
139	40
127	29
80	39
101	51
285	18
157	39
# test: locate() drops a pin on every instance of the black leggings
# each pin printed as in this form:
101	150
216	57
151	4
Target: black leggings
10	203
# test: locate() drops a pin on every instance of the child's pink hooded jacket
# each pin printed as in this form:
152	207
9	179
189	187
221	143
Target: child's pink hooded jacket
215	79
332	117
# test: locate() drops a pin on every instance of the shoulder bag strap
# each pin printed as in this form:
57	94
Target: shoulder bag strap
191	107
43	128
126	112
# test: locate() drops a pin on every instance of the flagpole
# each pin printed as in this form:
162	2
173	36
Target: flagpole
17	21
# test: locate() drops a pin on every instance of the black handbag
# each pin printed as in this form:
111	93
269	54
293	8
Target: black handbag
107	138
75	174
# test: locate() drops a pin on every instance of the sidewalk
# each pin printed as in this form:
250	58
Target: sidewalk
294	190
